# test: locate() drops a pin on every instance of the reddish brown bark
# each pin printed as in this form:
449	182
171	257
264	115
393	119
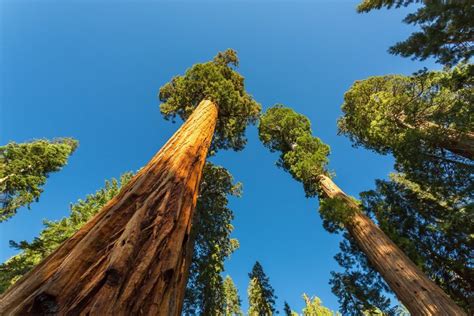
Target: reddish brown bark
132	257
419	294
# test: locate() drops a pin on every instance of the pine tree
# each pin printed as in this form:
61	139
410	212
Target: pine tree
314	307
287	309
231	298
261	295
136	252
305	157
446	29
205	291
24	169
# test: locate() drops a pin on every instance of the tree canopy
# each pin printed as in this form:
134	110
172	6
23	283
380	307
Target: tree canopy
261	294
219	82
24	168
231	298
301	154
447	29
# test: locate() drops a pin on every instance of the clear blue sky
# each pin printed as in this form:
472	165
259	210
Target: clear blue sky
91	70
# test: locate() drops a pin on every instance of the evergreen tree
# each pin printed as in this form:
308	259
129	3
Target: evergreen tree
305	157
231	298
258	305
206	292
24	169
146	230
260	293
314	307
287	309
447	29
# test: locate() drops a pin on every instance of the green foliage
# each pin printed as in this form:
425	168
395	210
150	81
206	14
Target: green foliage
418	119
216	81
205	292
261	295
24	169
301	154
231	299
447	29
335	213
314	307
55	232
287	309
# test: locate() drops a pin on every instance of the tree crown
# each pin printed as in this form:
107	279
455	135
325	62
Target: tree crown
301	154
219	82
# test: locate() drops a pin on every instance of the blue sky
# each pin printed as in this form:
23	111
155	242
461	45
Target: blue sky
91	70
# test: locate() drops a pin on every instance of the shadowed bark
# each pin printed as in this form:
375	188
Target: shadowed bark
419	294
132	257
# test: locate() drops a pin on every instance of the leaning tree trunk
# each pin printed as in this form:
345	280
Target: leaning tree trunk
130	259
418	293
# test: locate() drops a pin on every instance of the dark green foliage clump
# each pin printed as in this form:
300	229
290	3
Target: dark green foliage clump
24	169
447	29
205	292
301	154
216	81
55	232
261	294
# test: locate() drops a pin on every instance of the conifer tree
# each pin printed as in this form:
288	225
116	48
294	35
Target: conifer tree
261	294
287	309
24	168
231	298
133	256
447	29
305	157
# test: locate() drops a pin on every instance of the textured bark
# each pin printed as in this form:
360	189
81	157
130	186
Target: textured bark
132	257
418	293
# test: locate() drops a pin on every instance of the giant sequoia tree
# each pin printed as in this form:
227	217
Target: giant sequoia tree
261	295
24	169
133	256
305	157
447	29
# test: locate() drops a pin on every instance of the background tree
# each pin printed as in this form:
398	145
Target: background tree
159	201
447	29
206	292
231	298
314	307
24	169
305	158
261	294
287	309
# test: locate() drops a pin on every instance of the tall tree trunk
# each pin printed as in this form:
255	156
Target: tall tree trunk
418	293
130	259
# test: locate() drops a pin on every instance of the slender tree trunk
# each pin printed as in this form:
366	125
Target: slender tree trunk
418	293
130	259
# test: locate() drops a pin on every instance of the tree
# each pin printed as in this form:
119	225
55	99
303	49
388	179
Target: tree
260	293
24	169
206	292
231	298
287	309
305	158
56	232
133	256
447	29
314	307
431	111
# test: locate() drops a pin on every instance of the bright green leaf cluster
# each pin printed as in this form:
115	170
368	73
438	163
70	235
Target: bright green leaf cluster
301	154
24	169
216	81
